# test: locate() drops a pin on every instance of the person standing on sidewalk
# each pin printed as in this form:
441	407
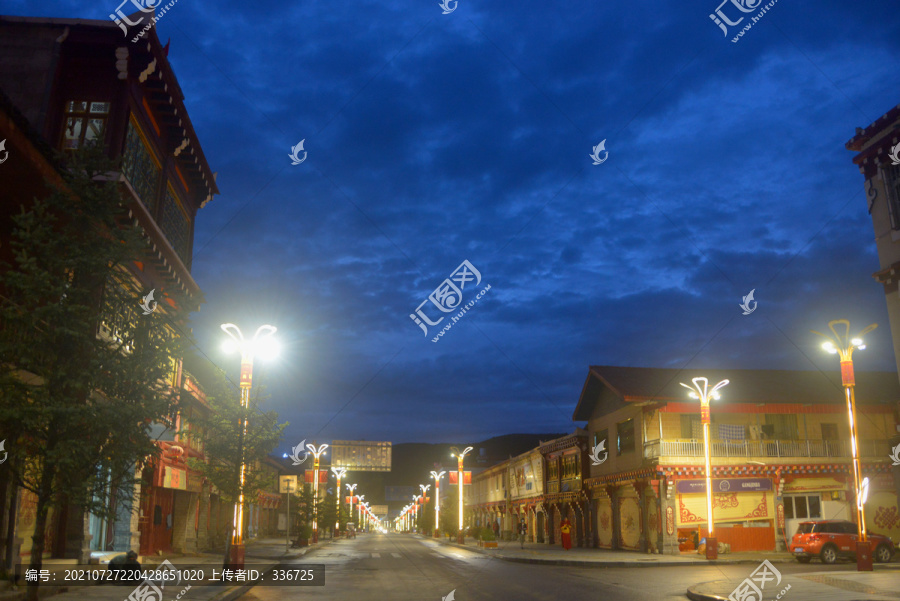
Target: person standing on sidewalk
522	529
565	530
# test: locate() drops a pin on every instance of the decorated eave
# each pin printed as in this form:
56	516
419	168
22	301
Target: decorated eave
889	277
871	158
166	100
577	439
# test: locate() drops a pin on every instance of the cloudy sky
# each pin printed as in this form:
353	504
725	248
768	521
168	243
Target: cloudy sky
434	139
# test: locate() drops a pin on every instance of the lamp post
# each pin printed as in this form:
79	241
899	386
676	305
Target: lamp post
460	537
351	488
317	452
843	344
359	501
339	472
263	345
701	386
437	502
424	488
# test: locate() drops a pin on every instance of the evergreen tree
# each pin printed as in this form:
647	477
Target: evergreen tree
83	373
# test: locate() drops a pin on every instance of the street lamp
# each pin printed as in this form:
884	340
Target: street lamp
700	390
359	502
437	502
265	346
460	538
316	453
843	344
351	488
339	472
424	488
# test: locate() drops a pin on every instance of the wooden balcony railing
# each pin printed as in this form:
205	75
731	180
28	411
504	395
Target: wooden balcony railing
765	448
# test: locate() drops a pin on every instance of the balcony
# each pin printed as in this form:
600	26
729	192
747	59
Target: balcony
766	448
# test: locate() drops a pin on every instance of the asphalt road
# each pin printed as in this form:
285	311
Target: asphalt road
397	567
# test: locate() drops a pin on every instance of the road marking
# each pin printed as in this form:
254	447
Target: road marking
376	555
397	555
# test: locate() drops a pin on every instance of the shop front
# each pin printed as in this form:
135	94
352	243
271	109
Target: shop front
743	508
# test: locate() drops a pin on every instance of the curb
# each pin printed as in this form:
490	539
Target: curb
698	596
638	563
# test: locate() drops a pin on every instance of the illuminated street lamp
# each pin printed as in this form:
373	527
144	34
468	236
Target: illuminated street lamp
359	509
437	502
263	345
339	472
700	390
460	538
316	453
351	488
424	488
842	344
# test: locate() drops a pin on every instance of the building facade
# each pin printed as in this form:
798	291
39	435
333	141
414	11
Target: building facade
65	83
779	447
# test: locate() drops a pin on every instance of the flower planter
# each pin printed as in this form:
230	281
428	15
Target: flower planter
488	544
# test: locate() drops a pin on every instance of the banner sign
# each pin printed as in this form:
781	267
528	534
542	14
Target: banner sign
723	485
310	476
454	477
175	478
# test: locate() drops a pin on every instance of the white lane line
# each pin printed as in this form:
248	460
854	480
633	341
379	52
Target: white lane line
397	555
376	555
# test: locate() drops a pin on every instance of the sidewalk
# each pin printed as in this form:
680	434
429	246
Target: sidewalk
260	552
578	556
814	586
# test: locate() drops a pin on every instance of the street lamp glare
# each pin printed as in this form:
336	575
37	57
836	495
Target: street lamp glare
229	347
828	346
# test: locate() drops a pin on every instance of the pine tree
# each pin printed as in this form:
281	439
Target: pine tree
83	373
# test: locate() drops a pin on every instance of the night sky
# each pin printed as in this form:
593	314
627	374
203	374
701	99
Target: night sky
433	139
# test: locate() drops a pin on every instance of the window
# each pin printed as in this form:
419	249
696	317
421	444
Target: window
85	122
802	507
141	169
625	436
600	436
891	175
176	227
783	426
570	466
830	432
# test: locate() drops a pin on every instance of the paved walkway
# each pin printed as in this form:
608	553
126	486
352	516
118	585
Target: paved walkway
259	553
813	586
578	556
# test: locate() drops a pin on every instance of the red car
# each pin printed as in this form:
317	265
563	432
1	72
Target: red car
830	539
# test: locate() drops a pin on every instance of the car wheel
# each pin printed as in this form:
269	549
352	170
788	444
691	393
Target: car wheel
828	554
883	554
803	559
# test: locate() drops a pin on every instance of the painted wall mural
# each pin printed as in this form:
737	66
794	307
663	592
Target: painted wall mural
728	507
630	522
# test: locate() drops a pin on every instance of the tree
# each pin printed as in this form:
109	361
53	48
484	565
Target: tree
219	434
83	373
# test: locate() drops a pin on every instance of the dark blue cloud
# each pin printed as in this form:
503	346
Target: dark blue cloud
437	138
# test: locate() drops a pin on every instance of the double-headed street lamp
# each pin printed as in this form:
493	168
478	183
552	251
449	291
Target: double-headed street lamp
424	488
437	502
359	502
700	390
460	537
263	345
351	488
843	344
317	453
339	472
